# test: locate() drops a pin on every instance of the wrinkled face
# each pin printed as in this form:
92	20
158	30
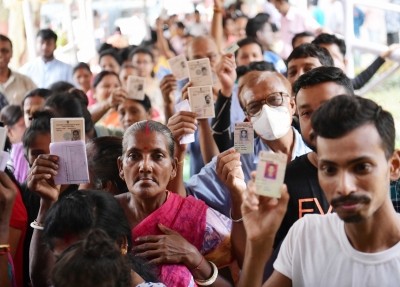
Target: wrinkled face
355	174
249	53
204	48
125	73
267	86
108	63
130	112
338	59
40	145
104	88
146	166
83	77
143	63
309	100
5	54
32	105
46	48
297	67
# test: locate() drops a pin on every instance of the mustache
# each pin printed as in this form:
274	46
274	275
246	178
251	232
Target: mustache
351	198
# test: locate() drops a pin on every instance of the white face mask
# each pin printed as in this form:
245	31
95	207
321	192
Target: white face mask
272	123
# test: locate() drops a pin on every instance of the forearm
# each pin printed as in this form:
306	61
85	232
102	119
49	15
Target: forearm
216	27
208	147
238	234
176	185
361	79
41	258
98	110
4	234
162	44
256	255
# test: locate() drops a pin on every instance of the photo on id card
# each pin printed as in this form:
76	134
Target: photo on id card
67	129
201	101
243	137
270	173
200	72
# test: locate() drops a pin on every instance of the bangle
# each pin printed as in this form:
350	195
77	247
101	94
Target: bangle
210	280
218	10
198	265
235	220
4	249
36	225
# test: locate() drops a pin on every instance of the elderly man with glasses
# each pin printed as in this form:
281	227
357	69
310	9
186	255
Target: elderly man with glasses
266	100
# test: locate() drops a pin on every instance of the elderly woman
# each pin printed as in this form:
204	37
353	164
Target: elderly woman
169	230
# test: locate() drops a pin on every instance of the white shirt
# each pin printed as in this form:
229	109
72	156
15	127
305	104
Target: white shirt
16	87
316	252
44	74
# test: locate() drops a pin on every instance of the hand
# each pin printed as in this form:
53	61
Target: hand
8	192
226	72
41	177
168	86
229	171
180	124
262	216
117	96
390	50
170	248
185	91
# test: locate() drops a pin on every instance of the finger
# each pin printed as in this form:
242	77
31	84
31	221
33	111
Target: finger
166	230
5	181
149	238
149	254
51	157
140	248
231	169
43	170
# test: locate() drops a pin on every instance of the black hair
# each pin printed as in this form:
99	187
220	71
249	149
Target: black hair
81	65
61	87
141	50
257	23
99	77
72	104
301	35
94	261
343	114
47	34
254	66
124	53
146	103
311	50
329	39
11	114
152	126
105	46
323	74
78	212
247	41
180	25
102	154
112	53
43	93
4	38
40	125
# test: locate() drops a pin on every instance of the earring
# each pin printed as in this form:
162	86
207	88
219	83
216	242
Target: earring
124	248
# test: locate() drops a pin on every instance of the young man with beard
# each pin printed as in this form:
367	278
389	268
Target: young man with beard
358	245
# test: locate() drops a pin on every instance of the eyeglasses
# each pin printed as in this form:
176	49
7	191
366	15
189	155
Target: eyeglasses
273	100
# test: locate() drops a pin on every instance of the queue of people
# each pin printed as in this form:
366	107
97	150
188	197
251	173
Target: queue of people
139	221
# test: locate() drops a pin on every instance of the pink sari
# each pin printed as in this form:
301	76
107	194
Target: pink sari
184	215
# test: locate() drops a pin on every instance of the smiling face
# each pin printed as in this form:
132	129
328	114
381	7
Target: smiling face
146	164
354	173
104	88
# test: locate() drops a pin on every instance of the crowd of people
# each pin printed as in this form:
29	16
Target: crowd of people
138	222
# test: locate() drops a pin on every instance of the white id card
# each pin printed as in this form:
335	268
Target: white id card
67	129
179	67
184	106
135	88
202	101
270	173
243	137
200	72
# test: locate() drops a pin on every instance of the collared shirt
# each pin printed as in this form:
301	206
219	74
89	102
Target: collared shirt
15	88
295	21
207	186
44	74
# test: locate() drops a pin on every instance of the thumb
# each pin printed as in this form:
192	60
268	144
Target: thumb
166	230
